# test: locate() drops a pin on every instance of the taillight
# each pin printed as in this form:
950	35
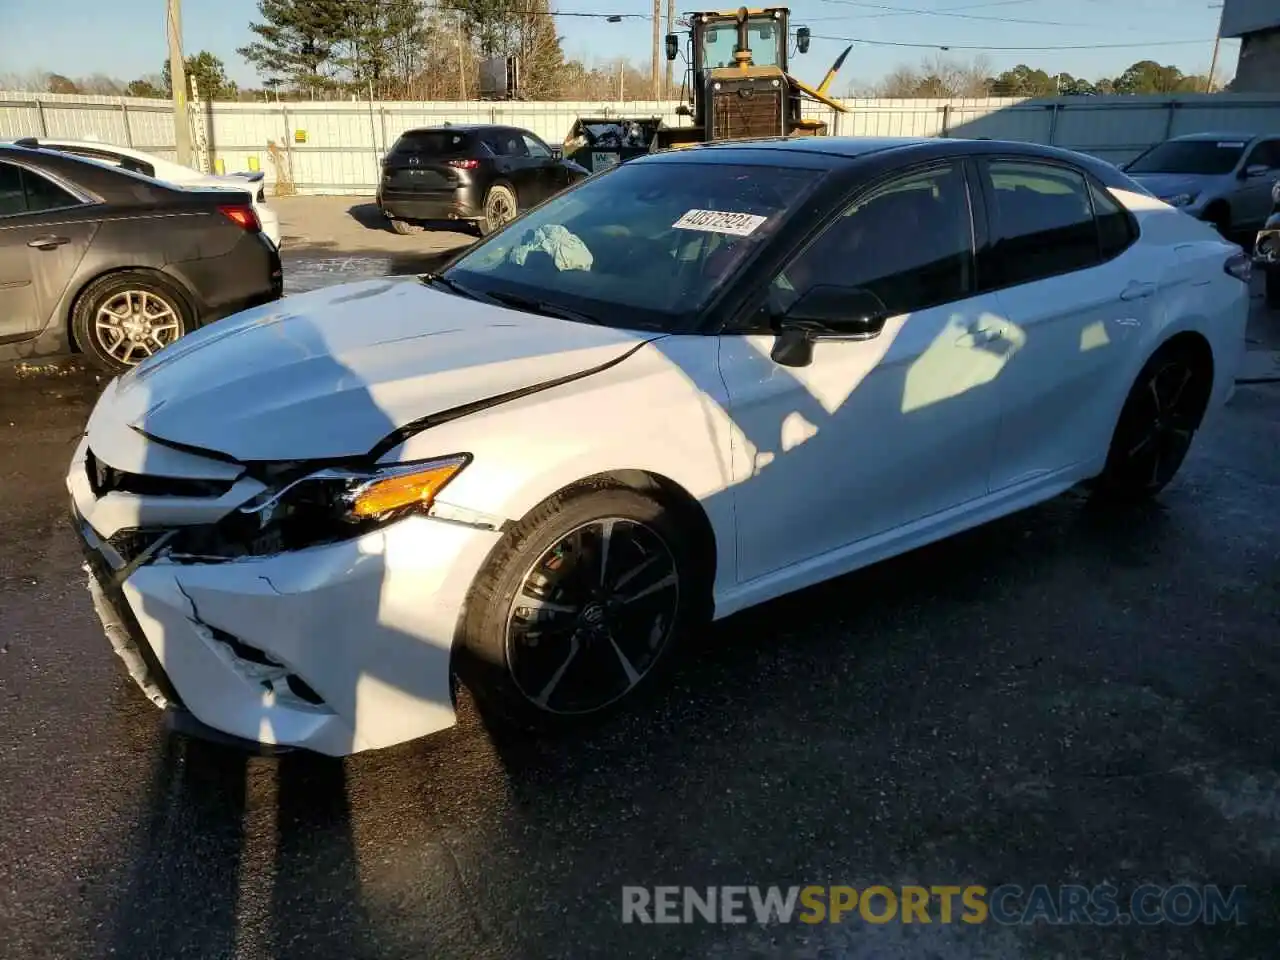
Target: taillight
1240	266
243	217
464	164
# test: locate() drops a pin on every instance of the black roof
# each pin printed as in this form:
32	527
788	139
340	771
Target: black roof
461	128
832	152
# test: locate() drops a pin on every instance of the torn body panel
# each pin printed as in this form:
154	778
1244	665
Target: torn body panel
337	649
334	648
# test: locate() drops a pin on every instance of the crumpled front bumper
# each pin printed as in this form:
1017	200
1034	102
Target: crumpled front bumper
335	649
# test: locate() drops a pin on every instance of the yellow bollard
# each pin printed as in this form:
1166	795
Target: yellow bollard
253	164
220	166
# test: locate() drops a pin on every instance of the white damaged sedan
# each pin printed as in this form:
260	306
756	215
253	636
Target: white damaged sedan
688	385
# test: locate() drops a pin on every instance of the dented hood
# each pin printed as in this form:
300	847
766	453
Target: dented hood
330	374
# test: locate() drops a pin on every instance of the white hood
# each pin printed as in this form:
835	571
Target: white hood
329	374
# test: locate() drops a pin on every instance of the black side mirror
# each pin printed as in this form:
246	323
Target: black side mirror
683	110
827	312
802	40
1254	170
673	46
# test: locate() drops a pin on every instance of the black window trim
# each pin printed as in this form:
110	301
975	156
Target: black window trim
1258	144
82	198
982	164
737	322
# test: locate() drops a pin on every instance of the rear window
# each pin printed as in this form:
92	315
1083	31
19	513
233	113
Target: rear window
435	143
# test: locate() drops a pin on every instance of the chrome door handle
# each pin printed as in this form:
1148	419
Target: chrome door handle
1138	291
976	335
48	243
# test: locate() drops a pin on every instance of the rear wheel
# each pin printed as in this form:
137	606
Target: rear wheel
577	610
123	318
500	208
405	228
1157	424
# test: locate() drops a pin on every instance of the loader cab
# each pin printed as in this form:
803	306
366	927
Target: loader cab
715	39
738	85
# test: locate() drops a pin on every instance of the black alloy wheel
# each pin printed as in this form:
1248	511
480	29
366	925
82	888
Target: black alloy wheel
593	614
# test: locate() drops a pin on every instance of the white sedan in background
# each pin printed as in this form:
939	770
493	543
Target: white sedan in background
696	382
169	172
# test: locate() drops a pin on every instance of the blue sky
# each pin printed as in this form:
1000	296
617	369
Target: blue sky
126	38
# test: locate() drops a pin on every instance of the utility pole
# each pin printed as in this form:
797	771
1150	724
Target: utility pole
462	65
1213	63
671	28
657	44
178	79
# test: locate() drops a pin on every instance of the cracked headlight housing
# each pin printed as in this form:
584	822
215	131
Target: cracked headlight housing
324	506
1267	248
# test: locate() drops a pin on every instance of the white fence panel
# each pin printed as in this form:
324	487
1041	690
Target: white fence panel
336	146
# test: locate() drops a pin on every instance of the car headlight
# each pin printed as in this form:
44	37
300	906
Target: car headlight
1181	199
324	506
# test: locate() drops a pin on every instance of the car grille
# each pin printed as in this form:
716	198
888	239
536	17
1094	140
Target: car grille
129	544
104	479
746	110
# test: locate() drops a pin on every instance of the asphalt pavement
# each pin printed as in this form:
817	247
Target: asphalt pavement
1068	696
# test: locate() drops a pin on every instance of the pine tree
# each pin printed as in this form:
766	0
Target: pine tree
299	41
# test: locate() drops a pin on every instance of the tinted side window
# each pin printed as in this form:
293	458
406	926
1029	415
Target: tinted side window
1115	229
909	241
535	147
1042	223
513	144
44	194
12	199
1266	154
137	166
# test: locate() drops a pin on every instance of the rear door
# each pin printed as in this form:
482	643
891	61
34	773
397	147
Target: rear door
43	237
513	164
553	176
423	161
1075	289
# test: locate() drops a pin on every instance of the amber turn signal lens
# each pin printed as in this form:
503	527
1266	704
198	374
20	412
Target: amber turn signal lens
416	488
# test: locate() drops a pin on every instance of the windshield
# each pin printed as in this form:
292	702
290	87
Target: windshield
718	42
1209	157
654	239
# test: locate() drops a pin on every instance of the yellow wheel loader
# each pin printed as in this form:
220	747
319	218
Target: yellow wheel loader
736	87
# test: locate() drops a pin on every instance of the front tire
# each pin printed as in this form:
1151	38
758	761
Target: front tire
577	610
1157	425
123	318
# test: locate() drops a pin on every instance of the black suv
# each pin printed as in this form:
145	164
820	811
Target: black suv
482	174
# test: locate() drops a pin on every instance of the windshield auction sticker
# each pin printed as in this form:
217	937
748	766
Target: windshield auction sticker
717	221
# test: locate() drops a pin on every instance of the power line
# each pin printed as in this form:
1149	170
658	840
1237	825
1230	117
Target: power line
1056	46
953	12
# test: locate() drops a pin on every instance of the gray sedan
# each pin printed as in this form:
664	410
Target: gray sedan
1222	178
